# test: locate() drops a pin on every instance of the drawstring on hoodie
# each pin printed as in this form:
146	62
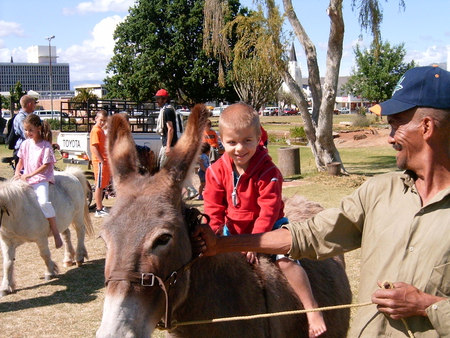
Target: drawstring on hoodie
234	197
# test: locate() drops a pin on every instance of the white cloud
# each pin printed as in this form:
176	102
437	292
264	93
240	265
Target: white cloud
100	6
433	54
88	61
10	28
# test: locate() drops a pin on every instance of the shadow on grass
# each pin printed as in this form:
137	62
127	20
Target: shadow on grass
372	165
81	286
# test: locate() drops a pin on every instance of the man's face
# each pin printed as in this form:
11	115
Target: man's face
161	101
405	137
30	106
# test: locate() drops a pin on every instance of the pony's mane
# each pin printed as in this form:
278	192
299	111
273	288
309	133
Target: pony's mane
13	192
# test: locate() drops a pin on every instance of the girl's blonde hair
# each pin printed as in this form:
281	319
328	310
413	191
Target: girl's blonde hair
46	130
239	116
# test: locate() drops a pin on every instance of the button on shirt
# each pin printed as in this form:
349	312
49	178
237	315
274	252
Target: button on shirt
400	241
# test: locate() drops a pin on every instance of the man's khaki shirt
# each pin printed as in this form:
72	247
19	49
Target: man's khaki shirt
400	241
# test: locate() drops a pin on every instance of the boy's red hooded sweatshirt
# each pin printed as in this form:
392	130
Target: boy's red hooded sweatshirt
250	205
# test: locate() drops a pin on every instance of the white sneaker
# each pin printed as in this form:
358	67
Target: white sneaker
101	213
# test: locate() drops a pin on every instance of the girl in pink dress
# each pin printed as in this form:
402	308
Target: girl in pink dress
36	158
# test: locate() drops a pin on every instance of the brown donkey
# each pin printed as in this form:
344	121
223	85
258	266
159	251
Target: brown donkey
152	276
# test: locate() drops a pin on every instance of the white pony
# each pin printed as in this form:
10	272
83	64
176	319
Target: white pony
22	221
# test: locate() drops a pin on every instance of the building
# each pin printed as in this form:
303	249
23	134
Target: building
35	75
294	69
97	89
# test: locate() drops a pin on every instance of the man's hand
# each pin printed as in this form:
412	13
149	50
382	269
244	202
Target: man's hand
203	240
403	300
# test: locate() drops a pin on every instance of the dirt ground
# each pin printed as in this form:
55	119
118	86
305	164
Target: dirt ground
363	138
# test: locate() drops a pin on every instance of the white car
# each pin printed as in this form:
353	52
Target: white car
344	110
218	110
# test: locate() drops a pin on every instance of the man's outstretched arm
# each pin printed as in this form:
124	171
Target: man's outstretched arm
273	242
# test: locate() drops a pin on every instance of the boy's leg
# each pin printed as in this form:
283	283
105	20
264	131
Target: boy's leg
299	281
55	232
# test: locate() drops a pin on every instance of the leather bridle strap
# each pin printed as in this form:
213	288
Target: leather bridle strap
148	279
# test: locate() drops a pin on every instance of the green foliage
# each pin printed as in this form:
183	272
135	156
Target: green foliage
16	93
258	49
297	132
361	121
375	77
159	45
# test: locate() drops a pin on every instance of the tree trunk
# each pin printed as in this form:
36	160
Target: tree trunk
319	125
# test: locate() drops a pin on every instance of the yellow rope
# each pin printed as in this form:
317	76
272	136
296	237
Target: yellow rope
287	313
389	285
265	315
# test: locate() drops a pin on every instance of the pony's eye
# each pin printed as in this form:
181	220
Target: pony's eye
162	240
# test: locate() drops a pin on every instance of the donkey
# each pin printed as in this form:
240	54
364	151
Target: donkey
151	273
23	221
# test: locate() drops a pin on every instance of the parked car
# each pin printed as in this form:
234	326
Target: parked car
218	110
6	114
344	110
271	111
48	114
289	111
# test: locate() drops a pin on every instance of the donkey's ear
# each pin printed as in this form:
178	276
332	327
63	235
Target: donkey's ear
188	146
121	149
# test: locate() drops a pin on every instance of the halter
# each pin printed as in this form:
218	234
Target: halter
147	279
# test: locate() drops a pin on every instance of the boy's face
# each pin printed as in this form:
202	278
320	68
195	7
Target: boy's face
100	120
240	145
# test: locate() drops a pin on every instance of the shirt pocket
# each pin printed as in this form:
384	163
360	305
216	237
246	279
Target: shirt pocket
439	283
240	219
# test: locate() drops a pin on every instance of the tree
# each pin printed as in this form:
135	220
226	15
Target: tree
318	125
159	45
84	98
253	53
16	93
375	76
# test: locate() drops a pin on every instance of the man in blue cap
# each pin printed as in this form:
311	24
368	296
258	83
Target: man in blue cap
400	220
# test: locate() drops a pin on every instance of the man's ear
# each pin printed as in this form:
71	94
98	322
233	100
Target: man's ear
428	127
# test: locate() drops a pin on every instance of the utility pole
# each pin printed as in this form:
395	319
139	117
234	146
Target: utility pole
50	72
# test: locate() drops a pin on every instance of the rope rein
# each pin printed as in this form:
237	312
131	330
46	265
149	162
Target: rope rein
266	315
389	285
385	285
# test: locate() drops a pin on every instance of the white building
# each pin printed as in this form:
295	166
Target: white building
35	75
294	69
96	89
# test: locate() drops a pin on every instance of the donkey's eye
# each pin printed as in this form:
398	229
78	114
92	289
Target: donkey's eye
162	240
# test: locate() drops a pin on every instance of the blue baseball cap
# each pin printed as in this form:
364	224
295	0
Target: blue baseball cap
418	87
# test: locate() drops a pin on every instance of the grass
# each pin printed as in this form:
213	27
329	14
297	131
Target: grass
71	305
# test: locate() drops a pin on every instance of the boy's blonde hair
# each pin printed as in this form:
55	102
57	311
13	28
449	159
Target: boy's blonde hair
239	116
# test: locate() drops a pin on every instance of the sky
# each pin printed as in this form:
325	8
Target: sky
83	31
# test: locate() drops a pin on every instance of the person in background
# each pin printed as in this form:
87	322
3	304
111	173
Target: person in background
100	161
210	136
28	104
166	125
244	196
204	164
36	159
398	219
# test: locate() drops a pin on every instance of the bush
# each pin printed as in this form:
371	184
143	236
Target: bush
54	124
297	132
361	121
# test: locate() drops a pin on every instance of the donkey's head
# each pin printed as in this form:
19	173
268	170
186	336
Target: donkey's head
145	232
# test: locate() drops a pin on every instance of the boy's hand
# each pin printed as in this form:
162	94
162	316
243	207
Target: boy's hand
252	257
203	240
